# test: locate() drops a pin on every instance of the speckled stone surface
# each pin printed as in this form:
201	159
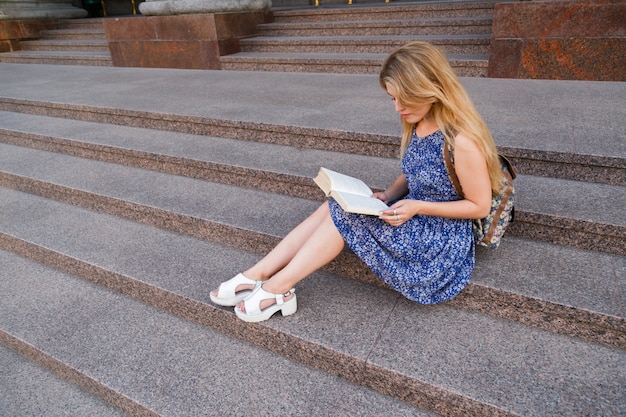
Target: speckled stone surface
150	363
28	389
540	213
570	40
346	63
192	41
369	342
414	10
323	111
459	44
143	221
228	220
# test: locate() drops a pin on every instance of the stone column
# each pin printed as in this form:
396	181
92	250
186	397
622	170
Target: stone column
39	10
177	7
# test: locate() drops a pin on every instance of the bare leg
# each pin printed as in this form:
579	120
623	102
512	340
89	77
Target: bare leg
321	247
282	254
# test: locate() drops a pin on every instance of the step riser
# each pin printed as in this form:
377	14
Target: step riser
378	31
366	67
382	13
601	171
351	48
73	35
90	23
81	61
78	47
596	328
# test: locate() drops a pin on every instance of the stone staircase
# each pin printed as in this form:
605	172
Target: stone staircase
124	204
73	42
356	39
346	39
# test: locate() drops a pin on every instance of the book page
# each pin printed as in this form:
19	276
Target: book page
356	203
346	183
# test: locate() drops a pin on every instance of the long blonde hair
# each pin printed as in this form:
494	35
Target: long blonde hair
421	74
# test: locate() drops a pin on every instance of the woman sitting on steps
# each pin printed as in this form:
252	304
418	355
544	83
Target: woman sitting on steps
422	246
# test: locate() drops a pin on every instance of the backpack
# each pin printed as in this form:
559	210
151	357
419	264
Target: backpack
488	232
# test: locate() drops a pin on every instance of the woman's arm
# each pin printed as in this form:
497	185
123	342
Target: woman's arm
471	168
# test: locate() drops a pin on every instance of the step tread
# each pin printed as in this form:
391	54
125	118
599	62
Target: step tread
433	345
30	390
276	215
163	362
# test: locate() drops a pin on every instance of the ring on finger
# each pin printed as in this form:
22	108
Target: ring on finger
398	217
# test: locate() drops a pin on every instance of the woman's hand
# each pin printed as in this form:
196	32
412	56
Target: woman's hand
397	190
382	196
400	212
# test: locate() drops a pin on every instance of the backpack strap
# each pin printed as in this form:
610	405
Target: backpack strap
451	171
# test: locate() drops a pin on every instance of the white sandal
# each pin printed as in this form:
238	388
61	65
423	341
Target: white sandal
226	293
253	312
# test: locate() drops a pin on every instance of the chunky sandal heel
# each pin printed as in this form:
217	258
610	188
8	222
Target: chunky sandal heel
226	293
254	314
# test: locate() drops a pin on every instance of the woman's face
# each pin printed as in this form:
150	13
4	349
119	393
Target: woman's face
410	114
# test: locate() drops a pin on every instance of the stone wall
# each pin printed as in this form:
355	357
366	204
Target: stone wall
192	41
572	40
12	31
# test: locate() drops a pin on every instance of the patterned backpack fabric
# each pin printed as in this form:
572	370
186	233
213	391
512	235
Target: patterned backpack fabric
488	232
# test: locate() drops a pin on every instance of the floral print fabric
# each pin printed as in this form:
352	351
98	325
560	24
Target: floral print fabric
427	259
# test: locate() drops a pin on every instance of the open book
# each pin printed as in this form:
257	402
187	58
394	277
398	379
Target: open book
352	194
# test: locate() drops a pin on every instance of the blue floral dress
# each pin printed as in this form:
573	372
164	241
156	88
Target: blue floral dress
427	259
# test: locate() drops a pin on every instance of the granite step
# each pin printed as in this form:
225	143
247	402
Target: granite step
462	44
222	213
541	213
539	330
428	356
80	42
356	39
72	33
29	389
397	27
339	63
413	10
66	45
575	150
58	57
93	23
145	361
